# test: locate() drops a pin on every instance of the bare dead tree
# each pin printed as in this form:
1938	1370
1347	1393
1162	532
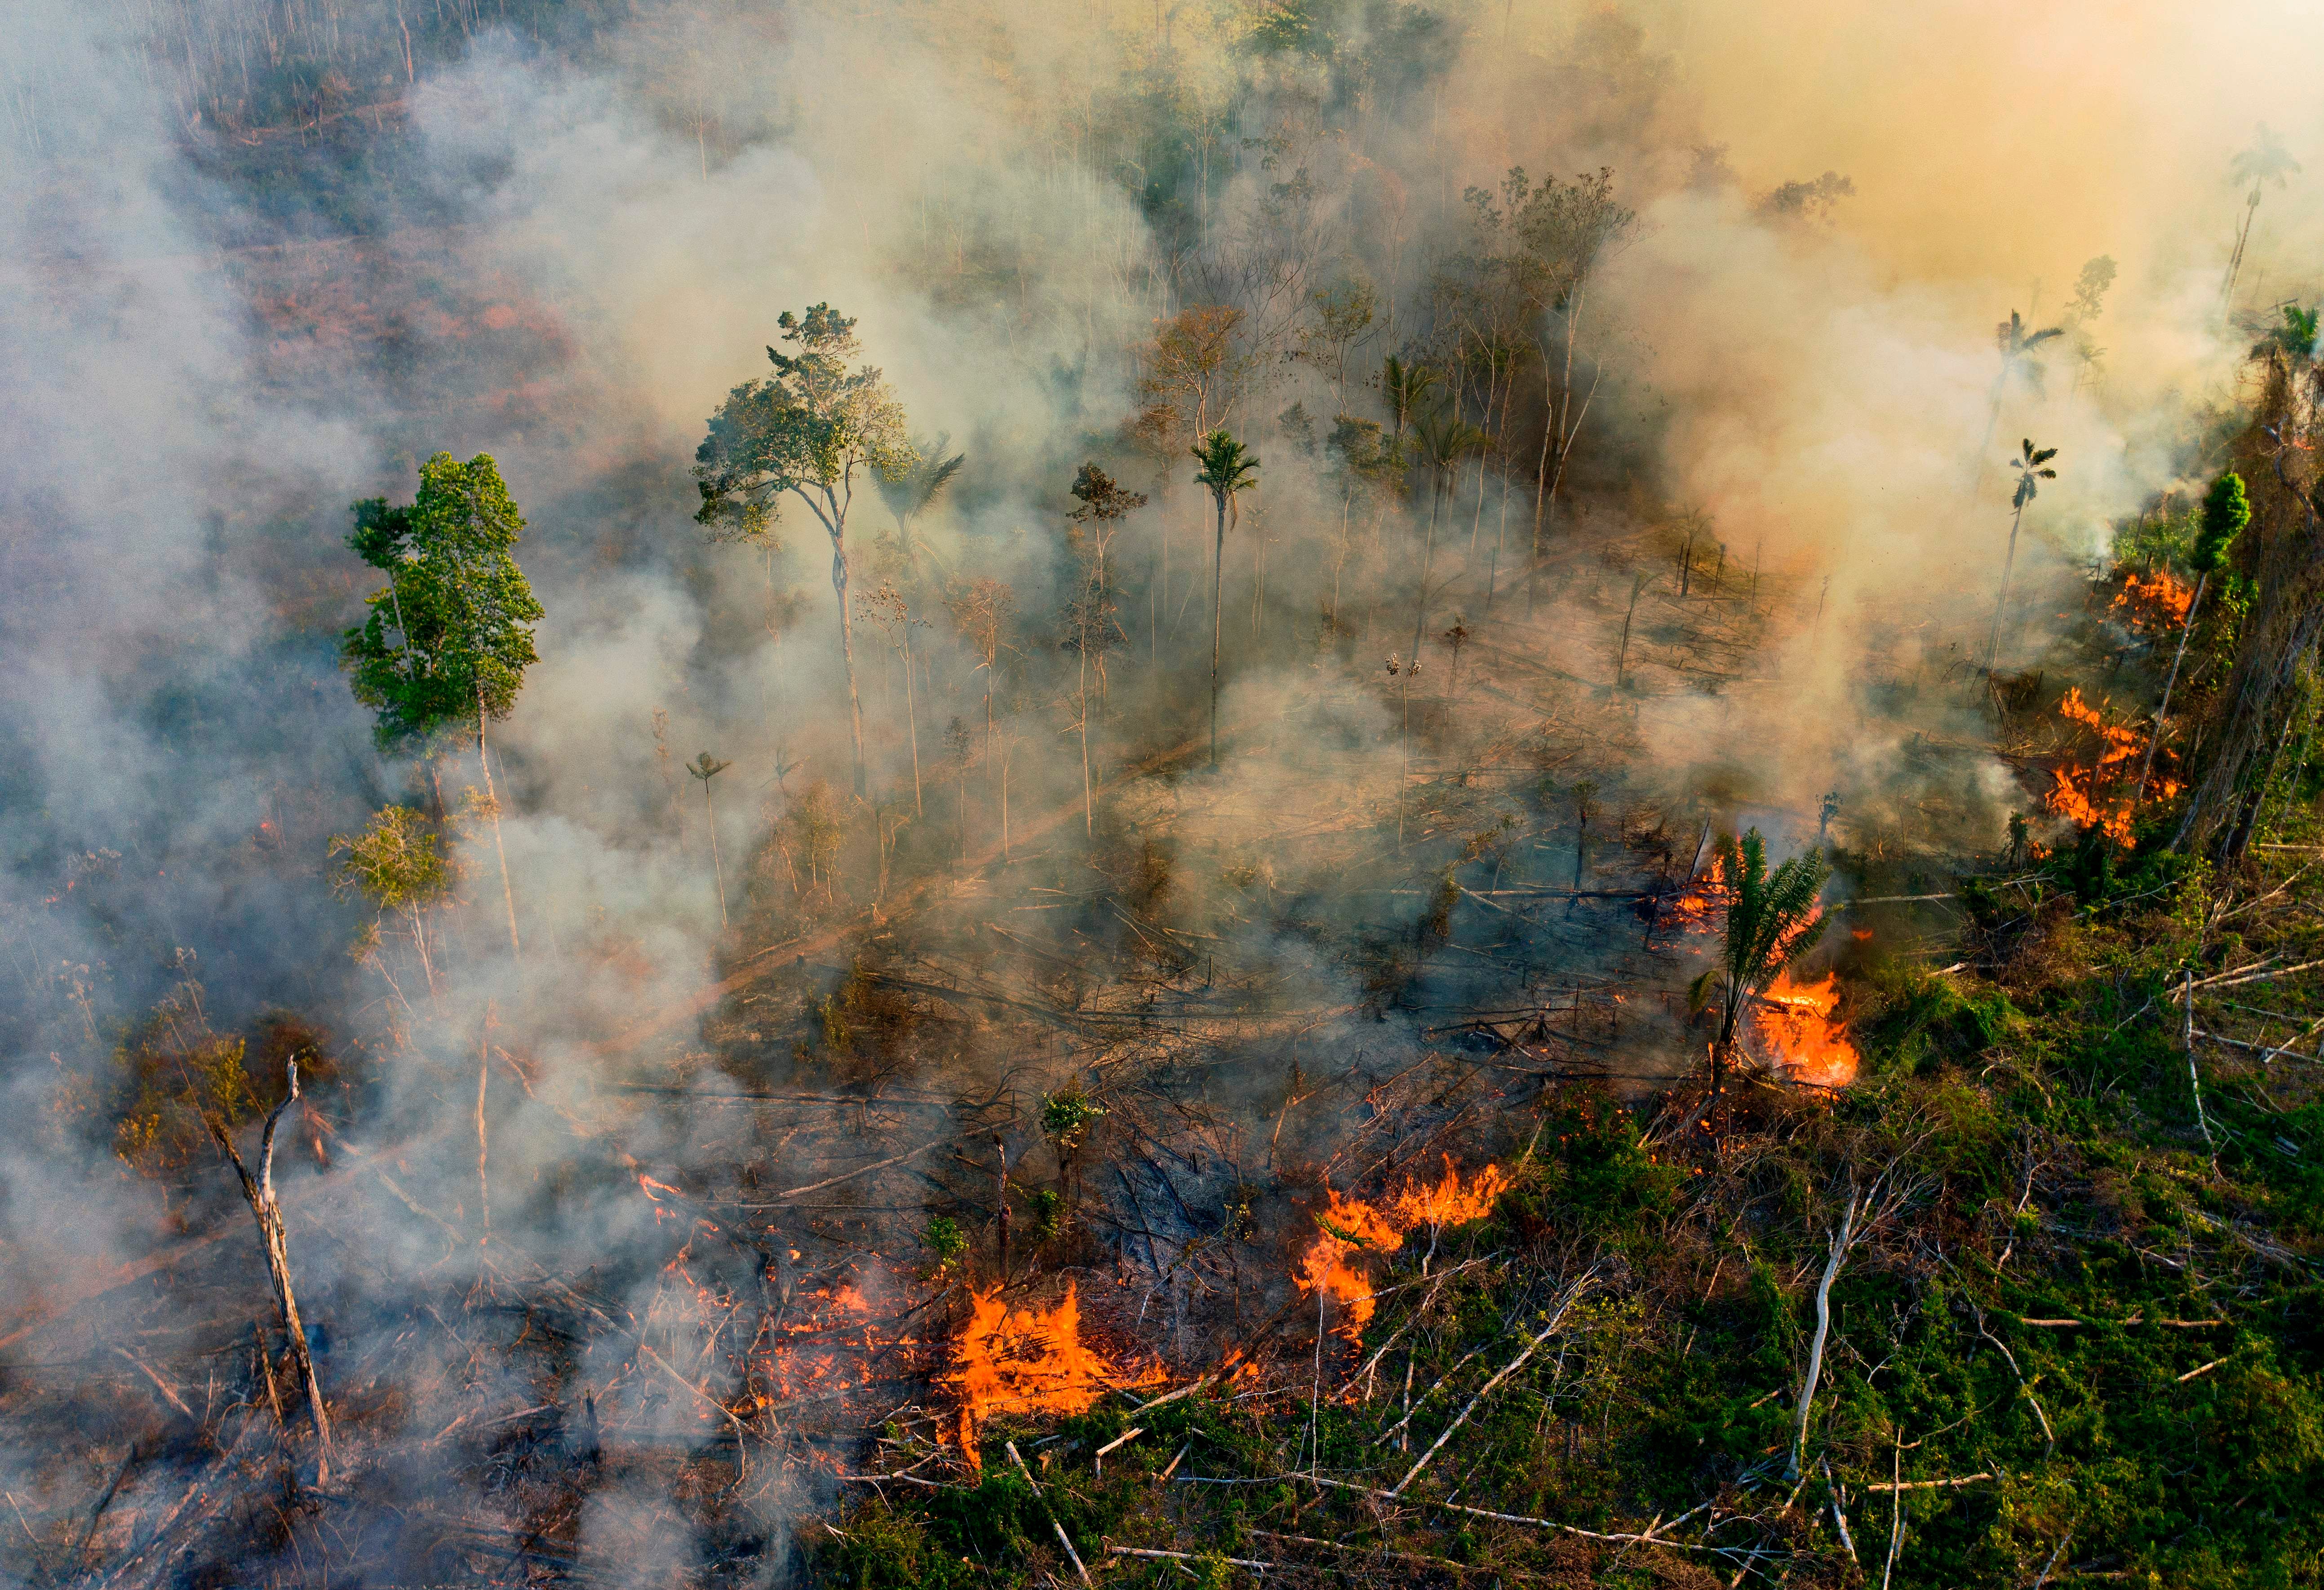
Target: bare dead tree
259	1191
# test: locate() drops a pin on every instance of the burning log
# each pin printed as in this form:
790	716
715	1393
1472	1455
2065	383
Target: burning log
259	1192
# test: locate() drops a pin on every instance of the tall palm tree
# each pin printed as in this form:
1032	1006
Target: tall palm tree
2266	160
2016	340
1229	469
2028	464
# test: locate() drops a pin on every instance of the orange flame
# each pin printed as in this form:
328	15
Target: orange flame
1351	1226
1026	1360
2082	794
2156	602
1794	1028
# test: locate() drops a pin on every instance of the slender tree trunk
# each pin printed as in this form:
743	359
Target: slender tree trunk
710	816
483	1143
1622	657
420	943
267	1209
1428	563
1218	589
1993	641
508	895
2163	713
1089	821
847	653
912	720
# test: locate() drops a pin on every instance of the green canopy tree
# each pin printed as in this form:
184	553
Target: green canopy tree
2226	511
1229	469
395	864
1770	923
447	639
812	430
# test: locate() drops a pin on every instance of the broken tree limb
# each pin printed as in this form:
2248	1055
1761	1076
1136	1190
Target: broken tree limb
1572	1295
1517	1518
1240	1562
1966	1479
790	1193
1840	1246
1075	1556
169	1391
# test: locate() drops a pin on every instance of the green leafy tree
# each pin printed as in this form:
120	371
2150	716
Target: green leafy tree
448	638
1229	469
396	865
2226	511
811	431
2030	474
1770	923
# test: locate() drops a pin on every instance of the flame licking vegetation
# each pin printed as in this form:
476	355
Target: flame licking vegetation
1028	1359
2154	603
2094	795
1352	1226
1794	1028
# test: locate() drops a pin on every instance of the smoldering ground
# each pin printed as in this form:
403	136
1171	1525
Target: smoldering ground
244	295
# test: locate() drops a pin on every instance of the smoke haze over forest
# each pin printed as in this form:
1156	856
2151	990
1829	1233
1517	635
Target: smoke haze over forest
265	258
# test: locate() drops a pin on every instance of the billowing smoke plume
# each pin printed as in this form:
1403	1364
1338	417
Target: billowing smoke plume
262	257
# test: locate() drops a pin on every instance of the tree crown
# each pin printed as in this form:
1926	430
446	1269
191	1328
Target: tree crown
2226	511
1227	468
808	429
456	605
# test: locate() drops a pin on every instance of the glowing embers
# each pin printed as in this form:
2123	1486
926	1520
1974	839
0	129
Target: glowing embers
2153	604
1792	1029
2101	794
1027	1359
1350	1227
824	1347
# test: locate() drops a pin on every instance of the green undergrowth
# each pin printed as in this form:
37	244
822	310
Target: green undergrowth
2108	1328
